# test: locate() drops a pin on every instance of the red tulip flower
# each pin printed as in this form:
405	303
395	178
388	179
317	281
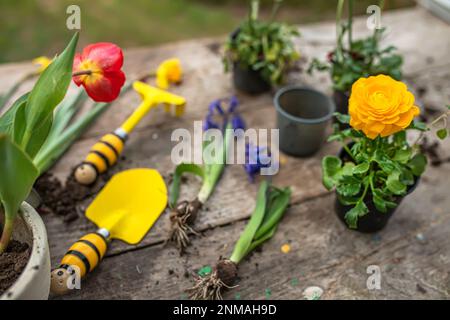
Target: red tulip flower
98	69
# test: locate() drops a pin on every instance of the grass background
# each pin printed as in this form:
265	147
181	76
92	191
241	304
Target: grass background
30	28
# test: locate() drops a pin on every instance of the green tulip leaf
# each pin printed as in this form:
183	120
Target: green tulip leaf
47	93
18	175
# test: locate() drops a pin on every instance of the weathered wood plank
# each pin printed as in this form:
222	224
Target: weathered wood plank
413	253
234	188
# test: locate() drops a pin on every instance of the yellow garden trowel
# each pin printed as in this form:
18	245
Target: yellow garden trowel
125	209
105	153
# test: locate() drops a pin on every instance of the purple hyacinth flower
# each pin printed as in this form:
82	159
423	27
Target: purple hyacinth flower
237	122
215	110
234	103
255	160
216	105
208	123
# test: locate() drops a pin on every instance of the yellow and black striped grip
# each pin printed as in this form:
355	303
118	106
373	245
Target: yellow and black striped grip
85	255
103	155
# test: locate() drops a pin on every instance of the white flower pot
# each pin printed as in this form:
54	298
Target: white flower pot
34	282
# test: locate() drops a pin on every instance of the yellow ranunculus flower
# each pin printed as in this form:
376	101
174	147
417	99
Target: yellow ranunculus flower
380	105
43	62
169	71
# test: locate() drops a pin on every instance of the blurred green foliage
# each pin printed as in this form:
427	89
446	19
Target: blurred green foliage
30	28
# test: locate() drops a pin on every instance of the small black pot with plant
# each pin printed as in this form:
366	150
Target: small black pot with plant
353	59
377	166
260	52
375	219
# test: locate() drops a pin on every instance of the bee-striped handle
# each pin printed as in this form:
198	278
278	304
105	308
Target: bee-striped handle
82	257
103	155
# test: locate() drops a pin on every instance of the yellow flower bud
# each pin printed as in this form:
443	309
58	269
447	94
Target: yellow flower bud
43	62
169	71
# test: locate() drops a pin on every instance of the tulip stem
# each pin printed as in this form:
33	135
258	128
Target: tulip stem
82	73
6	233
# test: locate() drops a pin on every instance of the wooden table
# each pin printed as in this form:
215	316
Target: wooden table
413	252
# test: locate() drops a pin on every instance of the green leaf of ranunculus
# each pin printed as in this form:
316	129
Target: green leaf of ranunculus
407	177
47	93
331	167
347	190
418	125
379	203
347	201
442	133
347	169
18	175
361	168
417	164
402	156
342	118
400	138
386	164
394	185
351	217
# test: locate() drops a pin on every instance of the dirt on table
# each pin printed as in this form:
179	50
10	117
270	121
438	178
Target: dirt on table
12	263
66	200
63	200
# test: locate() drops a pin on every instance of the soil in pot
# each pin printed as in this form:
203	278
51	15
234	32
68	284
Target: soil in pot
374	220
248	80
12	263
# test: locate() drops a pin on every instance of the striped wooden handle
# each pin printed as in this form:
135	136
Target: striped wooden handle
82	257
103	155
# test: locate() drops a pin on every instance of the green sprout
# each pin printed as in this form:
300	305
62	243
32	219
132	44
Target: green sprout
271	204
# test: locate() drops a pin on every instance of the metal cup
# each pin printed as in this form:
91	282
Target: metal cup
302	118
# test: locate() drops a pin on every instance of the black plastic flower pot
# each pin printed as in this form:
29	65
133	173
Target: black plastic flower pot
248	80
340	99
374	220
303	115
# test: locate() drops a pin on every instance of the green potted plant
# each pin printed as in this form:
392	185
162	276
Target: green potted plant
34	132
353	59
260	52
377	166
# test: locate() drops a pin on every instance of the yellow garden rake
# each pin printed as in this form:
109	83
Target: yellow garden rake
106	152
